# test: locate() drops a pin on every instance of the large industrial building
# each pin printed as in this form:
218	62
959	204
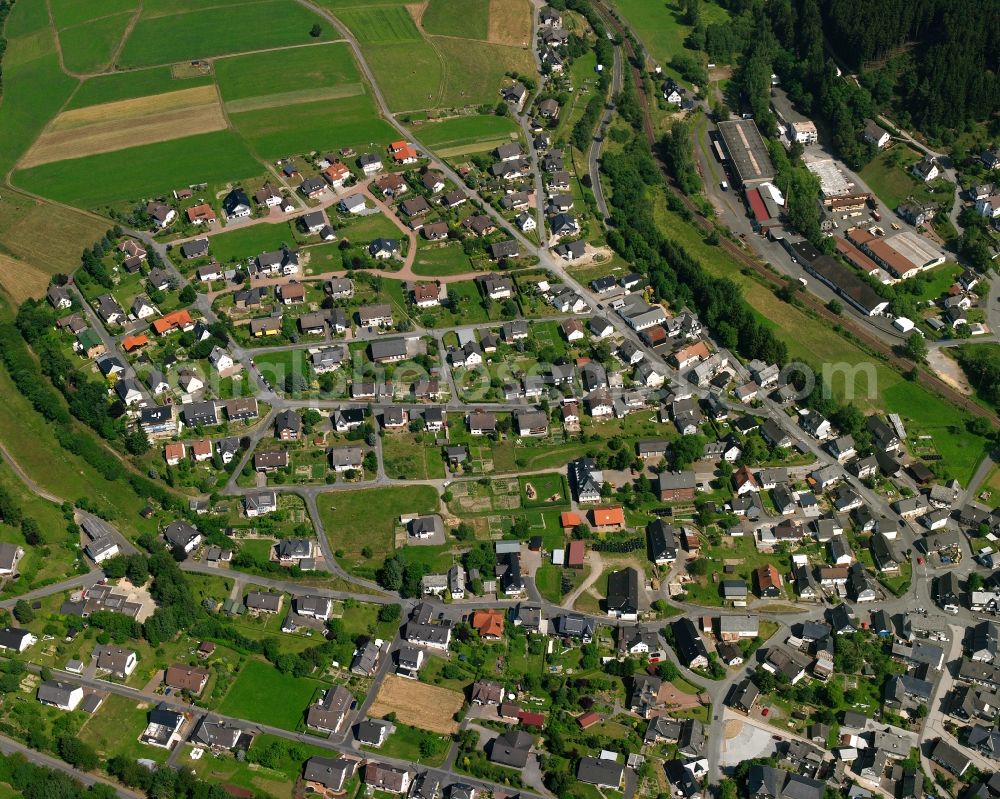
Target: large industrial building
747	152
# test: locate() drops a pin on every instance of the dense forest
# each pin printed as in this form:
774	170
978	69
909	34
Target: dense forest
932	64
940	57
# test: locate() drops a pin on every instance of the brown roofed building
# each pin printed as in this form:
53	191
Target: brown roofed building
186	678
768	580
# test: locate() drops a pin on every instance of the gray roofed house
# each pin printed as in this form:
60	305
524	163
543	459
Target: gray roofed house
600	772
61	694
216	734
512	748
332	712
263	601
366	659
329	772
950	757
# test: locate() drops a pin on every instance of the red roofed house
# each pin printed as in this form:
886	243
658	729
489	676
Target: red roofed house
575	553
529	719
174	453
201	214
588	720
336	174
178	320
768	581
568	519
691	354
130	343
403	153
608	518
744	481
489	623
201	450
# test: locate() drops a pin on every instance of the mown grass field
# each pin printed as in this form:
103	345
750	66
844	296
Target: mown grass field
88	47
435	260
218	31
262	693
889	176
116	177
466	131
115	729
73	12
35	87
475	70
381	24
440	19
129	85
240	244
276	132
356	519
287	70
659	26
409	74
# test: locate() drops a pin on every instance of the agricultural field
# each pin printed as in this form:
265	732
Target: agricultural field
261	80
418	704
121	124
213	158
31	61
475	70
304	126
439	19
468	134
356	519
68	13
38	239
129	85
218	31
89	46
262	693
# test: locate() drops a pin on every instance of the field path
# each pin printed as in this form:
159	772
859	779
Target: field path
416	11
125	36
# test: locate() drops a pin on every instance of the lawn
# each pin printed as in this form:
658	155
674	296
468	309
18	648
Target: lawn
35	87
306	126
243	243
548	580
409	459
108	178
658	24
369	228
889	176
463	133
276	366
277	780
357	519
267	75
115	729
436	260
88	47
218	31
546	486
473	23
262	693
404	744
129	85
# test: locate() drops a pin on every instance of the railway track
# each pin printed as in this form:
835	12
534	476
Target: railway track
925	378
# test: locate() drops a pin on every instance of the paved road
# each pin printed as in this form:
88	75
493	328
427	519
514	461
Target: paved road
597	144
9	747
